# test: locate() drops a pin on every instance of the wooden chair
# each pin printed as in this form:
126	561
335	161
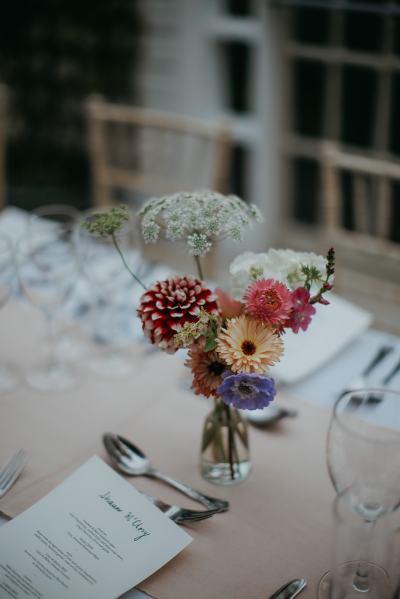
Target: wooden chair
358	216
3	138
152	153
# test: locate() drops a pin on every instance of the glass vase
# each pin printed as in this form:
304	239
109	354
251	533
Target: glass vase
225	456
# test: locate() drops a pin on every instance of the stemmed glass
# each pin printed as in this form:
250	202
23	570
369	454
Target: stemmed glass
8	376
363	457
113	291
46	265
61	218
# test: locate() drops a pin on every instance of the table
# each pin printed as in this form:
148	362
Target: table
323	386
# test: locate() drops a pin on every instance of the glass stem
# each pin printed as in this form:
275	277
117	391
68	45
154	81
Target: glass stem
361	577
51	330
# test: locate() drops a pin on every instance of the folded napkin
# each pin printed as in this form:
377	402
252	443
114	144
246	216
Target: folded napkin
331	330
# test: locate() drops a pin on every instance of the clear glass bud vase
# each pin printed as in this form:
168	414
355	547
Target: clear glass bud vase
225	456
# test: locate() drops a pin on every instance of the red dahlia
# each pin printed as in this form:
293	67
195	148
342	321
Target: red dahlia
169	304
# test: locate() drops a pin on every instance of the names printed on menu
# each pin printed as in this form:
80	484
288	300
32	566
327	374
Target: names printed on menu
82	541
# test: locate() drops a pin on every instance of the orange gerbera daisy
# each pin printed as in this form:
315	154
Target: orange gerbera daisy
247	345
207	368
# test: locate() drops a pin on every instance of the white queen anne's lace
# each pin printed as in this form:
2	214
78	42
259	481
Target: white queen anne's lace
198	217
284	266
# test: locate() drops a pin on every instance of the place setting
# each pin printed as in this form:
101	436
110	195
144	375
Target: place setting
180	462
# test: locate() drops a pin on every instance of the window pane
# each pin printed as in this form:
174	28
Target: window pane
394	126
396	46
358	105
305	190
311	26
347	216
395	228
239	8
308	97
237	178
363	31
238	57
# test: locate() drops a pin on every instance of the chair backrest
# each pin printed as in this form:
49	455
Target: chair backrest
153	153
357	198
361	220
3	138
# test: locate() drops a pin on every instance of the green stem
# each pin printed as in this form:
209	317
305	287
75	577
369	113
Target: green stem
115	242
198	266
230	441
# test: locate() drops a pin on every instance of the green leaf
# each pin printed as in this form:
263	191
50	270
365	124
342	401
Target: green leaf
210	344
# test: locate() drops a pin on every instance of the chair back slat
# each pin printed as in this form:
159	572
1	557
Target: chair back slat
370	201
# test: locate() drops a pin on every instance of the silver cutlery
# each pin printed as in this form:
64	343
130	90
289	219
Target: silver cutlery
181	515
391	374
269	415
290	589
361	381
131	460
11	471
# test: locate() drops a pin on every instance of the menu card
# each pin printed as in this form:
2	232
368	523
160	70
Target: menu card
93	537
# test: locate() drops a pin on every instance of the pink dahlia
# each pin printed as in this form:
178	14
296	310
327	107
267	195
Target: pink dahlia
169	304
269	301
302	310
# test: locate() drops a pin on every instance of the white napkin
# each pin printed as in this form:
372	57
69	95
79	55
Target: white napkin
331	329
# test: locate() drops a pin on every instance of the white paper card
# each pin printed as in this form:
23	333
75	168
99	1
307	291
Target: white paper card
93	537
331	329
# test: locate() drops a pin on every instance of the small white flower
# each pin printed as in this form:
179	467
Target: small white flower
198	217
285	266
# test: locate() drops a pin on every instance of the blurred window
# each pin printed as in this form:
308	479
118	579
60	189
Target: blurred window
341	143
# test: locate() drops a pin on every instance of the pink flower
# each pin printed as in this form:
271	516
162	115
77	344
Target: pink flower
302	310
229	307
269	301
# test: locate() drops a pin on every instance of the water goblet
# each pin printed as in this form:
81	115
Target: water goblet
47	271
8	374
62	218
363	458
348	535
113	290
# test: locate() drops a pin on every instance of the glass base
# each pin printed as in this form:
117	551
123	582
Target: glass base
111	364
223	474
54	378
343	584
8	378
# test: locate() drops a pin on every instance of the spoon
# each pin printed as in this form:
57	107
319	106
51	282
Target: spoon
268	416
131	460
290	590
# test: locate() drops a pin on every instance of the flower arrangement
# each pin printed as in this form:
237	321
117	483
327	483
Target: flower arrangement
231	339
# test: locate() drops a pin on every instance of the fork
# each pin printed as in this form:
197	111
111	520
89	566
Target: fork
11	471
361	381
181	515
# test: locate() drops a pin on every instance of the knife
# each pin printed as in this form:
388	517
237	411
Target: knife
290	589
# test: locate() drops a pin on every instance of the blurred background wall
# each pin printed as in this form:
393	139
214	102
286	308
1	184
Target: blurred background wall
53	54
308	89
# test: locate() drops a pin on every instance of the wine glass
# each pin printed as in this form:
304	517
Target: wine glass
113	290
46	265
60	218
8	375
363	457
